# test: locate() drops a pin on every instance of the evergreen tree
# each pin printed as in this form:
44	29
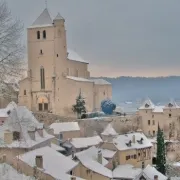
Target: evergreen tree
160	155
79	107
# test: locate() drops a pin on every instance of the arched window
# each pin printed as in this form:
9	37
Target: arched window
44	34
38	35
42	76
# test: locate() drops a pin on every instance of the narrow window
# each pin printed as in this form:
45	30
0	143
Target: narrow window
154	133
38	35
24	92
42	77
149	122
57	55
40	107
169	115
153	122
44	34
153	116
41	52
45	106
142	165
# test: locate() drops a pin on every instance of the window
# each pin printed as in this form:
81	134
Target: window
40	107
132	156
127	158
149	122
153	116
42	77
38	35
24	92
57	55
104	93
154	132
153	122
41	52
44	34
16	135
169	115
45	106
135	156
142	165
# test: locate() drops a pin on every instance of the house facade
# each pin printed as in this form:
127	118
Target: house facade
57	75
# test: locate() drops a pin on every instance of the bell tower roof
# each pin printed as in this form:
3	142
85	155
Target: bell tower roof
43	20
58	17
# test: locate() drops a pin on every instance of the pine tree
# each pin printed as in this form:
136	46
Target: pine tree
160	155
79	107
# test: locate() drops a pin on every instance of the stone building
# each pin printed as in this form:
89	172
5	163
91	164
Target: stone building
56	75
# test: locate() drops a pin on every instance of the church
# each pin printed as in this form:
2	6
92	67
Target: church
56	75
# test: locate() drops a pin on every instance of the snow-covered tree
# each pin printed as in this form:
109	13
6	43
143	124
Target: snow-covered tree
161	157
79	107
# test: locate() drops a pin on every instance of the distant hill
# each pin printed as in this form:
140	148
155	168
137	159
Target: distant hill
159	89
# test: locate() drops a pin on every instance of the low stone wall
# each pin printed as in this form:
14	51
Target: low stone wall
121	124
49	118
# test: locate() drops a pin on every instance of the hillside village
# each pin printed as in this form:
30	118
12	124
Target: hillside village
43	139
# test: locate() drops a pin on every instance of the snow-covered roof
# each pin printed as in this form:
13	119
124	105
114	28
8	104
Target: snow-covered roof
3	113
79	79
126	171
100	81
147	104
9	173
11	106
149	172
122	141
85	142
89	158
65	126
158	109
22	120
56	147
75	57
109	130
172	104
58	17
43	20
108	153
54	163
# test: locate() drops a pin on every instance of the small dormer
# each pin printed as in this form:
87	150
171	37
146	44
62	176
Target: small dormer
140	141
146	105
129	143
170	105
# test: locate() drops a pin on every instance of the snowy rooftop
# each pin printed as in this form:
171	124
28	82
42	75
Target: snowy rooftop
43	20
109	130
126	172
158	109
149	172
65	126
108	153
125	141
54	163
56	147
79	79
147	104
9	173
85	142
100	81
89	158
72	55
3	113
172	104
22	120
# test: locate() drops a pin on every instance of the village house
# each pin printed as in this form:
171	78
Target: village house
56	75
133	148
168	118
93	165
65	130
46	163
131	173
21	132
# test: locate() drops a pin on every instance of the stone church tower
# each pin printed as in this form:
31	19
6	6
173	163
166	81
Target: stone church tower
56	74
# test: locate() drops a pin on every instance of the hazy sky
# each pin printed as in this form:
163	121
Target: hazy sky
117	37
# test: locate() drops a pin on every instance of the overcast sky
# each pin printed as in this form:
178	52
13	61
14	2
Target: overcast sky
117	37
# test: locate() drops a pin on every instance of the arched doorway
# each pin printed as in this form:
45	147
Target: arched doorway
43	103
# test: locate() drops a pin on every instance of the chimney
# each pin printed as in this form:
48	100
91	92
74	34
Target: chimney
4	158
73	178
156	177
8	137
100	156
40	131
133	139
39	161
